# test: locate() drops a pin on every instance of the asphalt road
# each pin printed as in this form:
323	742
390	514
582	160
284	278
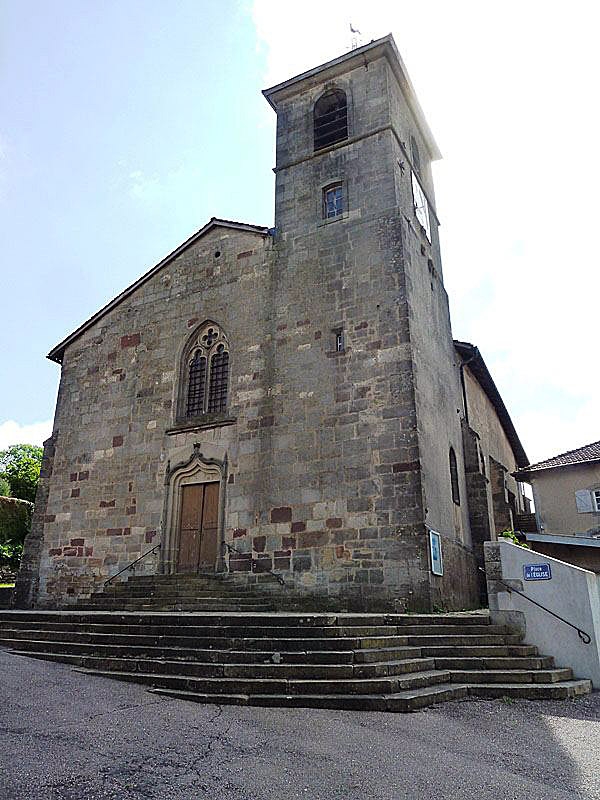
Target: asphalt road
69	736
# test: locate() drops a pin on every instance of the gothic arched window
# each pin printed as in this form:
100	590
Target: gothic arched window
454	477
205	368
330	119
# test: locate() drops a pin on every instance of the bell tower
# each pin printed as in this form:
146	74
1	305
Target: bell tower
357	260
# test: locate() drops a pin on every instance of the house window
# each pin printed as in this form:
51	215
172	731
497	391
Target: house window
330	119
454	478
596	499
206	373
339	341
421	206
333	201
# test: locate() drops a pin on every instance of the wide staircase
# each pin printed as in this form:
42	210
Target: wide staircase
383	662
177	593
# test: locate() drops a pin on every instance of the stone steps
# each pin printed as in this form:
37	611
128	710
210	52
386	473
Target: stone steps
370	661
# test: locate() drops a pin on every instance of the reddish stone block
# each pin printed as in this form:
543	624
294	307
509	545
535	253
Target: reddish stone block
107	503
131	510
150	536
77	542
75	492
83	476
376	345
333	522
267	422
80	551
240	562
69	551
191	322
112	356
130	341
245	254
73	476
89	551
126	531
281	563
318	335
50	518
239	532
408	466
313	538
302	322
340	550
262	563
361	325
117	441
282	514
298	527
55	551
288	542
114	531
258	543
282	327
231	479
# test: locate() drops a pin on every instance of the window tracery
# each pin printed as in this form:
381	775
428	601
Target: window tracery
205	379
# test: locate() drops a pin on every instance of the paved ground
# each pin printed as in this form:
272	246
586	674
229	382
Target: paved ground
69	736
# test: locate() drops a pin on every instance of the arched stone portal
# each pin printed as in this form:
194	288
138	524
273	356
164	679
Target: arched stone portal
193	518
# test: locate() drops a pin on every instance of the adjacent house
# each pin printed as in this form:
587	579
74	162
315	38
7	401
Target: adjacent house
566	493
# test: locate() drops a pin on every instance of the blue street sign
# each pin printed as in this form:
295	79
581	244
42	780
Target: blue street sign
537	572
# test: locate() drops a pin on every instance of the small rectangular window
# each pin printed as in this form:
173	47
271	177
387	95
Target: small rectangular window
596	499
339	341
333	201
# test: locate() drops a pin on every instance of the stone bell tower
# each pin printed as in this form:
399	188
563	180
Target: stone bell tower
371	399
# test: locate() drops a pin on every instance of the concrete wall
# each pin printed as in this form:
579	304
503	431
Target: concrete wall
555	506
572	593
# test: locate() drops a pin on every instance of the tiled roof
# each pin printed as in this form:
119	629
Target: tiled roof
582	455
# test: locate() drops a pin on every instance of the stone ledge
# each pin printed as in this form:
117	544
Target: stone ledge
201	423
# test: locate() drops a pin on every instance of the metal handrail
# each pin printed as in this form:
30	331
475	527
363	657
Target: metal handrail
276	575
585	637
132	565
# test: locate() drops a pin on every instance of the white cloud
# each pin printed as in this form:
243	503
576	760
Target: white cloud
12	432
508	91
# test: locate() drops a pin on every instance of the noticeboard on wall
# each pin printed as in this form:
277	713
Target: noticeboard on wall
435	552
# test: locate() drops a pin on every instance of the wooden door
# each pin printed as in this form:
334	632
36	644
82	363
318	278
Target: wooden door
198	527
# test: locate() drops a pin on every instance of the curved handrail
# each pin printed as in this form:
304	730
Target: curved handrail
585	637
276	575
132	565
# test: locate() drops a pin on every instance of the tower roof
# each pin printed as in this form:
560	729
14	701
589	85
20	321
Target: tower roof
378	48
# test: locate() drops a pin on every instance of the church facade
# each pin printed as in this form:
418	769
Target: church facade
283	400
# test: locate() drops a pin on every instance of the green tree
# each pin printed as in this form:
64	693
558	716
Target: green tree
20	466
4	487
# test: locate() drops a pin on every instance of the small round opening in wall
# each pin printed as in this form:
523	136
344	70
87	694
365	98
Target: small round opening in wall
217	253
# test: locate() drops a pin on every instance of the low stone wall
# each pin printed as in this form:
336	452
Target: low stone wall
571	592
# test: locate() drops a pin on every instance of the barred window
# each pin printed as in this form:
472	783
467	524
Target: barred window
219	372
205	378
330	119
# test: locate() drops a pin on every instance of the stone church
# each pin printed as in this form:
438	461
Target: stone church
288	401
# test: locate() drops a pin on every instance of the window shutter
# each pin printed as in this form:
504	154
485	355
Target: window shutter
583	498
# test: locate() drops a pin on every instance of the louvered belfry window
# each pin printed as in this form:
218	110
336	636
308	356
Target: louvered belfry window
330	119
207	372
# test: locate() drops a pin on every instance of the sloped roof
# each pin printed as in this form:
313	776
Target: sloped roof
581	455
471	356
57	352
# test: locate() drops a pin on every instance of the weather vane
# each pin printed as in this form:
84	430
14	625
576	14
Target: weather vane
355	37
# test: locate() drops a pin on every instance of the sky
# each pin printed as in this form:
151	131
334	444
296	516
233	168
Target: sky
125	125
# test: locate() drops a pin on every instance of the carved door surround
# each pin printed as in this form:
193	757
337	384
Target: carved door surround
201	472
